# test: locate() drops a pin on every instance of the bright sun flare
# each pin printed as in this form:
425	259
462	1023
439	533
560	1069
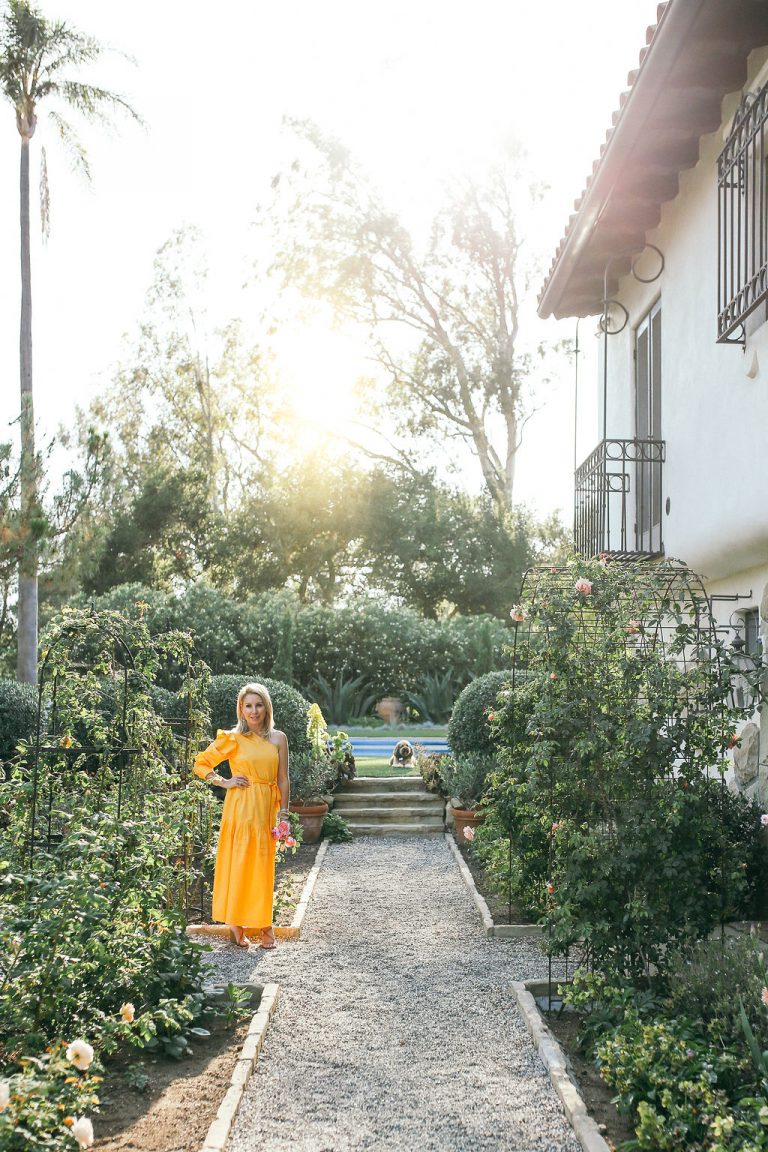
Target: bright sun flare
319	368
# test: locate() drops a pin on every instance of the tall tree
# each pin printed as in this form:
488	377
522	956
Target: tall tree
462	372
189	394
38	58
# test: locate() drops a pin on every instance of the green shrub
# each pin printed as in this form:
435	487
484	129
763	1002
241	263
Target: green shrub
709	981
393	650
71	954
18	713
466	777
311	778
335	829
469	729
608	787
430	768
290	707
661	1071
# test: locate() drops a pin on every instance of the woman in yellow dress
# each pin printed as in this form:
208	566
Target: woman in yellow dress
257	797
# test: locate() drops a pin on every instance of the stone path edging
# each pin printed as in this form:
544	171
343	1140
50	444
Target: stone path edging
218	1133
294	931
282	932
553	1059
500	931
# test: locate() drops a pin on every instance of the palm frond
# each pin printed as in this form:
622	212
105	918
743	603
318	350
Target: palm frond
72	145
95	102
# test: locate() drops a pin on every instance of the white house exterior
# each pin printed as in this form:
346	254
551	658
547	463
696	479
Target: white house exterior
681	463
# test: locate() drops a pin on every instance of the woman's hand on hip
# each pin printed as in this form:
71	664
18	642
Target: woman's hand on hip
237	782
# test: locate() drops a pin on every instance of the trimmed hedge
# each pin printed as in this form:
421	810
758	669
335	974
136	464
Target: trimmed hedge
391	649
18	713
469	730
290	707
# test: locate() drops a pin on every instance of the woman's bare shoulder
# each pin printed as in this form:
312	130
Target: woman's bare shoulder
279	737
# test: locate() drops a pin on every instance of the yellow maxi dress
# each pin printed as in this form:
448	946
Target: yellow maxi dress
245	858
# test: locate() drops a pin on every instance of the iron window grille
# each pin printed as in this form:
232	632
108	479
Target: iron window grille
742	274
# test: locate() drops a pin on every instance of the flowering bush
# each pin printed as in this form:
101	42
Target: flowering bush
44	1104
93	946
609	789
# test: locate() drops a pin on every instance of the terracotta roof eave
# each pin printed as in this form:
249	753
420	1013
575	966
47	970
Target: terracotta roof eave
672	32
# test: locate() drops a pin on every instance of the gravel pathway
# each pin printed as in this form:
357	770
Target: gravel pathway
396	1028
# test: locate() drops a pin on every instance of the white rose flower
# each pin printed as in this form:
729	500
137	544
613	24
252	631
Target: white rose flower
80	1054
82	1130
128	1012
5	1094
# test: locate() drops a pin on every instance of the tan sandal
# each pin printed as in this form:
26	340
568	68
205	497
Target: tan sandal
241	941
267	938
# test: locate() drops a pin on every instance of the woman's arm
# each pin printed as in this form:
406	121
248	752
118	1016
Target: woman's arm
283	781
205	763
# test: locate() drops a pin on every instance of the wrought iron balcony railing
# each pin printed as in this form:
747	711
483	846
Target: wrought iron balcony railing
618	502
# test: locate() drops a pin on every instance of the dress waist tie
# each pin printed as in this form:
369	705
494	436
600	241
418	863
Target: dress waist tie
271	784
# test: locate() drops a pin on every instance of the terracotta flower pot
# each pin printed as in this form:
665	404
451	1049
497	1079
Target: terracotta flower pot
464	818
311	818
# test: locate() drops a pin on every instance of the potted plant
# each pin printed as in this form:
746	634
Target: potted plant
314	773
465	779
311	777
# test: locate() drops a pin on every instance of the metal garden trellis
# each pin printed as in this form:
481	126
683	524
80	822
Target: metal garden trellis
666	612
117	761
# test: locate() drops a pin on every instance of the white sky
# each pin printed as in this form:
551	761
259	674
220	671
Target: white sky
419	90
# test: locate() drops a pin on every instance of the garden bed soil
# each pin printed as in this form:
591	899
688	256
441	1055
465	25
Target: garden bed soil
498	906
595	1093
175	1111
290	877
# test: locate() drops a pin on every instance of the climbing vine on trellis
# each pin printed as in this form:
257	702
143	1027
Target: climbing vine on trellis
622	833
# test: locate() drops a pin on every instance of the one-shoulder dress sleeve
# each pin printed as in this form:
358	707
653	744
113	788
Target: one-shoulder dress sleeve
224	746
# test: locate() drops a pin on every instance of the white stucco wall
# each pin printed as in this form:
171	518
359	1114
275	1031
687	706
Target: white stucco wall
714	416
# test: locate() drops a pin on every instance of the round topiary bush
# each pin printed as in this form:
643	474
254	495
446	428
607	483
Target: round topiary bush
290	707
468	729
18	713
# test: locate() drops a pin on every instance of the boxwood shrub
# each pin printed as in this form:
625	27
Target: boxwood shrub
18	712
469	730
290	707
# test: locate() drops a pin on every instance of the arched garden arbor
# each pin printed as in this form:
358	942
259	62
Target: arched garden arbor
614	733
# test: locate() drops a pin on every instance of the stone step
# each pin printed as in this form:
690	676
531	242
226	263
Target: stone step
416	829
369	815
348	800
385	784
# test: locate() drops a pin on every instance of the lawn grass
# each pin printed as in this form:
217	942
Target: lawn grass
379	766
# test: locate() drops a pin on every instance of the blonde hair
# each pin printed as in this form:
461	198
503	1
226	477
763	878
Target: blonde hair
254	690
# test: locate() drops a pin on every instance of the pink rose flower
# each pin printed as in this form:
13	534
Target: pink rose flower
764	996
469	833
764	819
517	614
583	586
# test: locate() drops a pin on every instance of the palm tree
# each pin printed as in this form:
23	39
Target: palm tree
37	59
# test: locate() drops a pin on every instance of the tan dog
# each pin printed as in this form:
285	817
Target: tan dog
403	755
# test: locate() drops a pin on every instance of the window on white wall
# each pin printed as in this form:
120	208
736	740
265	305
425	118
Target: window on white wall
648	420
752	642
